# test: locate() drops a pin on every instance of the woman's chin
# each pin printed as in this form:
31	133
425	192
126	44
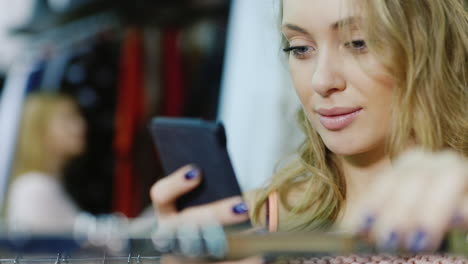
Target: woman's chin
345	148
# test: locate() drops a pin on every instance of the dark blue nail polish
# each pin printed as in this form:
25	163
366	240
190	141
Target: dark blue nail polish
456	220
240	209
418	241
191	174
268	259
368	223
392	241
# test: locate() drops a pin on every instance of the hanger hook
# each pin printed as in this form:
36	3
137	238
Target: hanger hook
129	261
65	258
16	261
138	259
57	261
104	258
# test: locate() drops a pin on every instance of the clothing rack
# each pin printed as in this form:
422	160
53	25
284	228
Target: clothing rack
64	259
74	32
65	248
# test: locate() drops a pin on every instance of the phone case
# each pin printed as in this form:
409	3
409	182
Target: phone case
182	141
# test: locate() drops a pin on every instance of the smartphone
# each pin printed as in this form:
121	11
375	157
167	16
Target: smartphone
182	141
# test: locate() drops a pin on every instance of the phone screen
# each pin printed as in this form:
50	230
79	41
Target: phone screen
183	141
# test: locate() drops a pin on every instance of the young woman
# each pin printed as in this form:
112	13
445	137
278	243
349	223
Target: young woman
52	132
383	87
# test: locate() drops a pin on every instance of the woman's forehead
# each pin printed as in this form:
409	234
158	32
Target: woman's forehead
317	13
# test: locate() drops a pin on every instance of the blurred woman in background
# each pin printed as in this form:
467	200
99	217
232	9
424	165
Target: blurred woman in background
52	133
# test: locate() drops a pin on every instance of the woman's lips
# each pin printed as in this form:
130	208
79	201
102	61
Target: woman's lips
337	118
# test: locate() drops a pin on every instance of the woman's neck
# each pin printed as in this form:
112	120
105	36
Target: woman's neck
55	165
359	170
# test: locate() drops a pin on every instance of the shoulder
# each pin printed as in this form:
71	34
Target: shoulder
39	197
26	191
34	183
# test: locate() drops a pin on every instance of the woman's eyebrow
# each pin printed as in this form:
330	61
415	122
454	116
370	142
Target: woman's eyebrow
295	28
348	21
351	21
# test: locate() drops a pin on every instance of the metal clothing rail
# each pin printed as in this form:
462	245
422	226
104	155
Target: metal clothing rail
75	32
64	259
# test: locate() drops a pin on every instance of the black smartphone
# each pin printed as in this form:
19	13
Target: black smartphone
182	141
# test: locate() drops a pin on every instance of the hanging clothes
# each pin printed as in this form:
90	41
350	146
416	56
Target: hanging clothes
146	161
173	74
204	45
129	118
90	76
153	66
55	70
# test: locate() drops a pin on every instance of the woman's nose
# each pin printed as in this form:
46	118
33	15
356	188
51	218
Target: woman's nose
327	77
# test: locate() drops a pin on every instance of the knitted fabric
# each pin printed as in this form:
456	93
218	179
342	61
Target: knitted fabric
383	259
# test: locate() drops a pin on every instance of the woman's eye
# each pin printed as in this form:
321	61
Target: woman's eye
298	51
358	45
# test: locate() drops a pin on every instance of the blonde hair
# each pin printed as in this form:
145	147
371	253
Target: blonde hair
37	112
423	45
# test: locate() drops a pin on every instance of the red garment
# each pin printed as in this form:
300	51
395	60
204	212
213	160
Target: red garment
129	119
173	74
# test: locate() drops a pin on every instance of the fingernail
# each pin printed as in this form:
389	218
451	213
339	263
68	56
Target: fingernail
369	221
391	244
240	209
192	174
268	259
457	220
419	241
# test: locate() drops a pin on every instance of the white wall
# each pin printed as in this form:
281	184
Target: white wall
258	103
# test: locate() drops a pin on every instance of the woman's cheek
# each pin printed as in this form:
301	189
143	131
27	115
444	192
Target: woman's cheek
301	81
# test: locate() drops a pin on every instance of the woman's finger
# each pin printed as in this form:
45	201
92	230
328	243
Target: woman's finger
169	259
164	237
440	203
165	192
252	260
215	240
198	229
190	240
376	201
228	211
394	221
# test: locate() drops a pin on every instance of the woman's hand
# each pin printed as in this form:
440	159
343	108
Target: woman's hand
176	260
416	203
194	229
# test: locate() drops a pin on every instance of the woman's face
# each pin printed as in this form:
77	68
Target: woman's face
347	106
67	130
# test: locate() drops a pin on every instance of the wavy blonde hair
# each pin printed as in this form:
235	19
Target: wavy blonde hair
37	113
423	44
